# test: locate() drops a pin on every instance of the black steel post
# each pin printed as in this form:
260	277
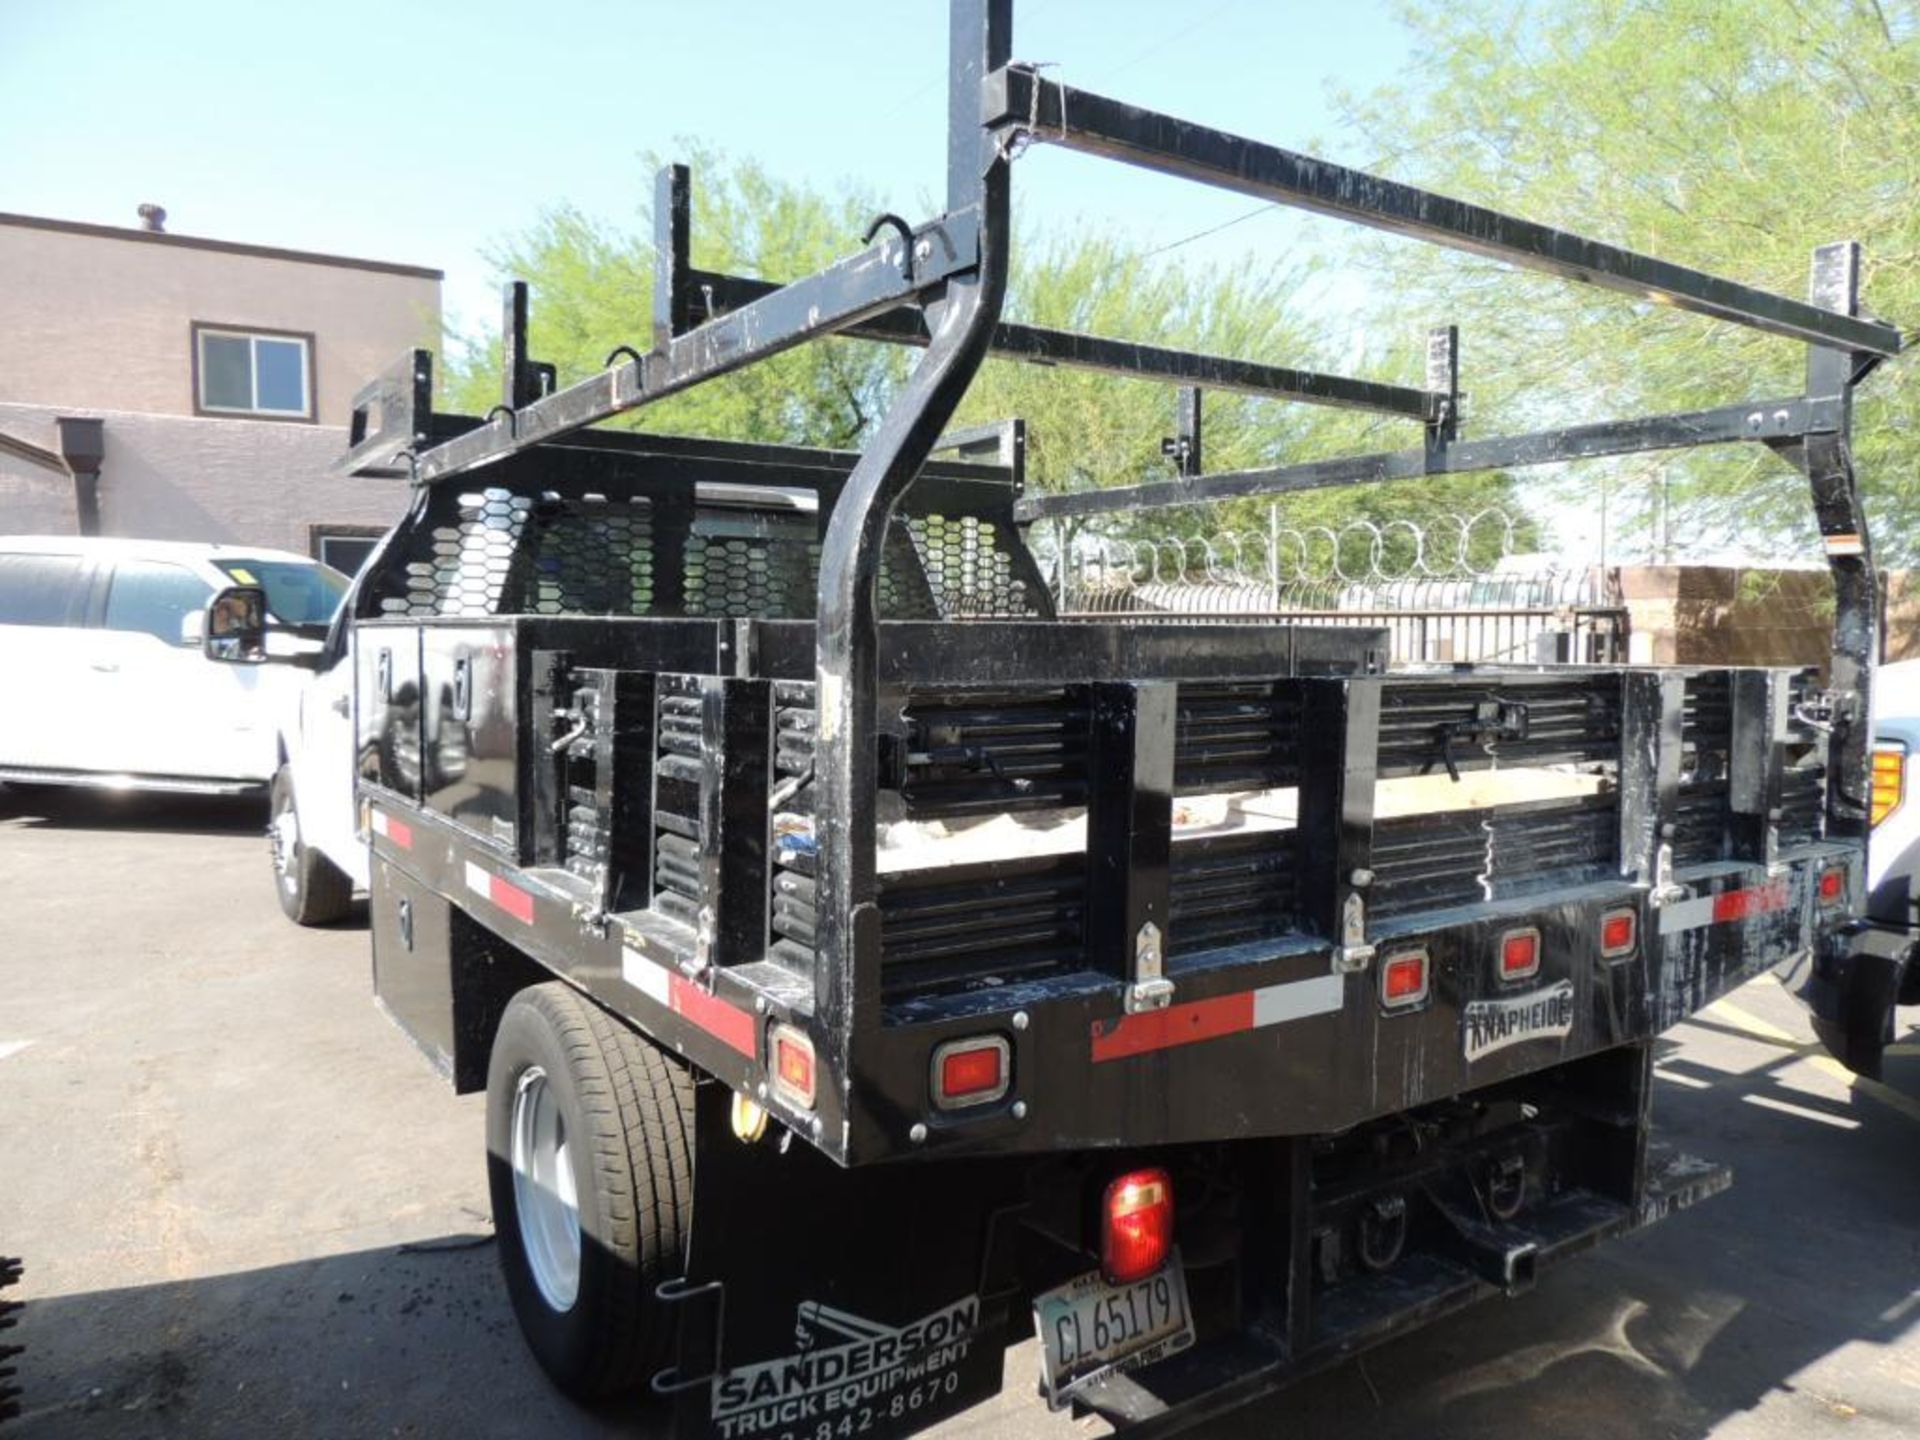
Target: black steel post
1825	457
523	379
1652	705
1339	749
847	982
672	245
1443	379
1184	446
1754	761
1130	834
736	765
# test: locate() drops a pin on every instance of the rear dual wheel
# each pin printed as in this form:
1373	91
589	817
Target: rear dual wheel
589	1159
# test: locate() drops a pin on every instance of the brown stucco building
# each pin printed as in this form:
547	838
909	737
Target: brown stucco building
221	375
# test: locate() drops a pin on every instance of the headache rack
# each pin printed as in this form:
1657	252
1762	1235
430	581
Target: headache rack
844	648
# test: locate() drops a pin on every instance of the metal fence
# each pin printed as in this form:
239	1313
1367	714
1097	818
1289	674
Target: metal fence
1451	589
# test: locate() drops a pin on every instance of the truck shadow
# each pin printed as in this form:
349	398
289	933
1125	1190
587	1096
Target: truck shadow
1740	1304
59	807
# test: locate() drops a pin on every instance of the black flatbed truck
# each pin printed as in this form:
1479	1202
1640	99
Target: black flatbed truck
867	966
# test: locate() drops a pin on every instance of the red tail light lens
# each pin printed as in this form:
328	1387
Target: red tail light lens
1619	933
1519	954
1136	1232
793	1072
1403	980
975	1071
1833	885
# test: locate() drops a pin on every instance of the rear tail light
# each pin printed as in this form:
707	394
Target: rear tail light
1889	779
1520	954
1403	980
1833	885
1136	1225
1619	933
975	1071
793	1070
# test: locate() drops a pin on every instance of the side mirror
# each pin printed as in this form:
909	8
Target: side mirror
235	630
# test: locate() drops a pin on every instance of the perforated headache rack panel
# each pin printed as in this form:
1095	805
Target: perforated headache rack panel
498	552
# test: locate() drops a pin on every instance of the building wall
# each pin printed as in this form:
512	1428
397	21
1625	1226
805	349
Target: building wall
98	320
171	477
1720	615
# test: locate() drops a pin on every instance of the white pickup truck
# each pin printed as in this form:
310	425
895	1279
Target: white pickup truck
319	854
113	628
1855	992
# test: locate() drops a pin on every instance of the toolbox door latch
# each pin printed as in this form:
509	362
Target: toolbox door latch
1150	990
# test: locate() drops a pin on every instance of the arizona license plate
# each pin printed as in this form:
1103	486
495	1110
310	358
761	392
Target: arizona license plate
1089	1328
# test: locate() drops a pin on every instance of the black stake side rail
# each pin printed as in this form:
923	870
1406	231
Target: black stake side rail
1771	421
1046	110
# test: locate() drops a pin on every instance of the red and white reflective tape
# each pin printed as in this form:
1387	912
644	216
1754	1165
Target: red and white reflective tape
1728	905
1196	1020
726	1023
503	893
390	828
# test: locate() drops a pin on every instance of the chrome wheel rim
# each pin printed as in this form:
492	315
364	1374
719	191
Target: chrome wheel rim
544	1199
284	832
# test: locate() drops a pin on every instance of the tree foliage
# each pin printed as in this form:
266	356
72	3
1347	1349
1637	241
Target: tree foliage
1729	135
592	289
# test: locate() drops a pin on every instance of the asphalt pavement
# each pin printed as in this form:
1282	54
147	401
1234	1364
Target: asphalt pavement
248	1209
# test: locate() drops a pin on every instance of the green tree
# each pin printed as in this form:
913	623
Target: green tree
592	291
1730	135
592	287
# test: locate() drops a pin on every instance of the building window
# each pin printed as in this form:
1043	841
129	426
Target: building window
344	547
252	372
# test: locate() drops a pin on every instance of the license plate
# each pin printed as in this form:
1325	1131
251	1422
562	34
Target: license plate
1089	1328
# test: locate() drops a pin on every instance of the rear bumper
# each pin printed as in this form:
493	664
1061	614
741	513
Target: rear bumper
1851	985
886	1295
1217	1376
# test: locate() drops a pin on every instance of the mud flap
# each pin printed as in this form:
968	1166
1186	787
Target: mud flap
822	1302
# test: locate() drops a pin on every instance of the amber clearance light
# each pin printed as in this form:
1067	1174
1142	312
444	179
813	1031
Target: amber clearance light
1889	779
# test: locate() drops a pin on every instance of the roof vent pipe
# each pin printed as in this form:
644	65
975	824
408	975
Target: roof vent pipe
153	218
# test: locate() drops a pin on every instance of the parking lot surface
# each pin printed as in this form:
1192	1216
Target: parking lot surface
247	1208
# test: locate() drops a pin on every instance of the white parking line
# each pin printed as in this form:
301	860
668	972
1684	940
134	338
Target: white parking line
10	1048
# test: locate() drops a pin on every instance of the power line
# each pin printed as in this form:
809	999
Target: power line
1212	229
1039	8
1161	44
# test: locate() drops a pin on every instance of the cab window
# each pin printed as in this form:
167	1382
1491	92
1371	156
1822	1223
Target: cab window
298	592
39	589
155	598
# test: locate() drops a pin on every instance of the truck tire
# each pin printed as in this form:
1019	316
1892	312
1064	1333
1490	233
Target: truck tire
312	889
589	1160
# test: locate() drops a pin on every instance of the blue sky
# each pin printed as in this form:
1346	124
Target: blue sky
420	132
